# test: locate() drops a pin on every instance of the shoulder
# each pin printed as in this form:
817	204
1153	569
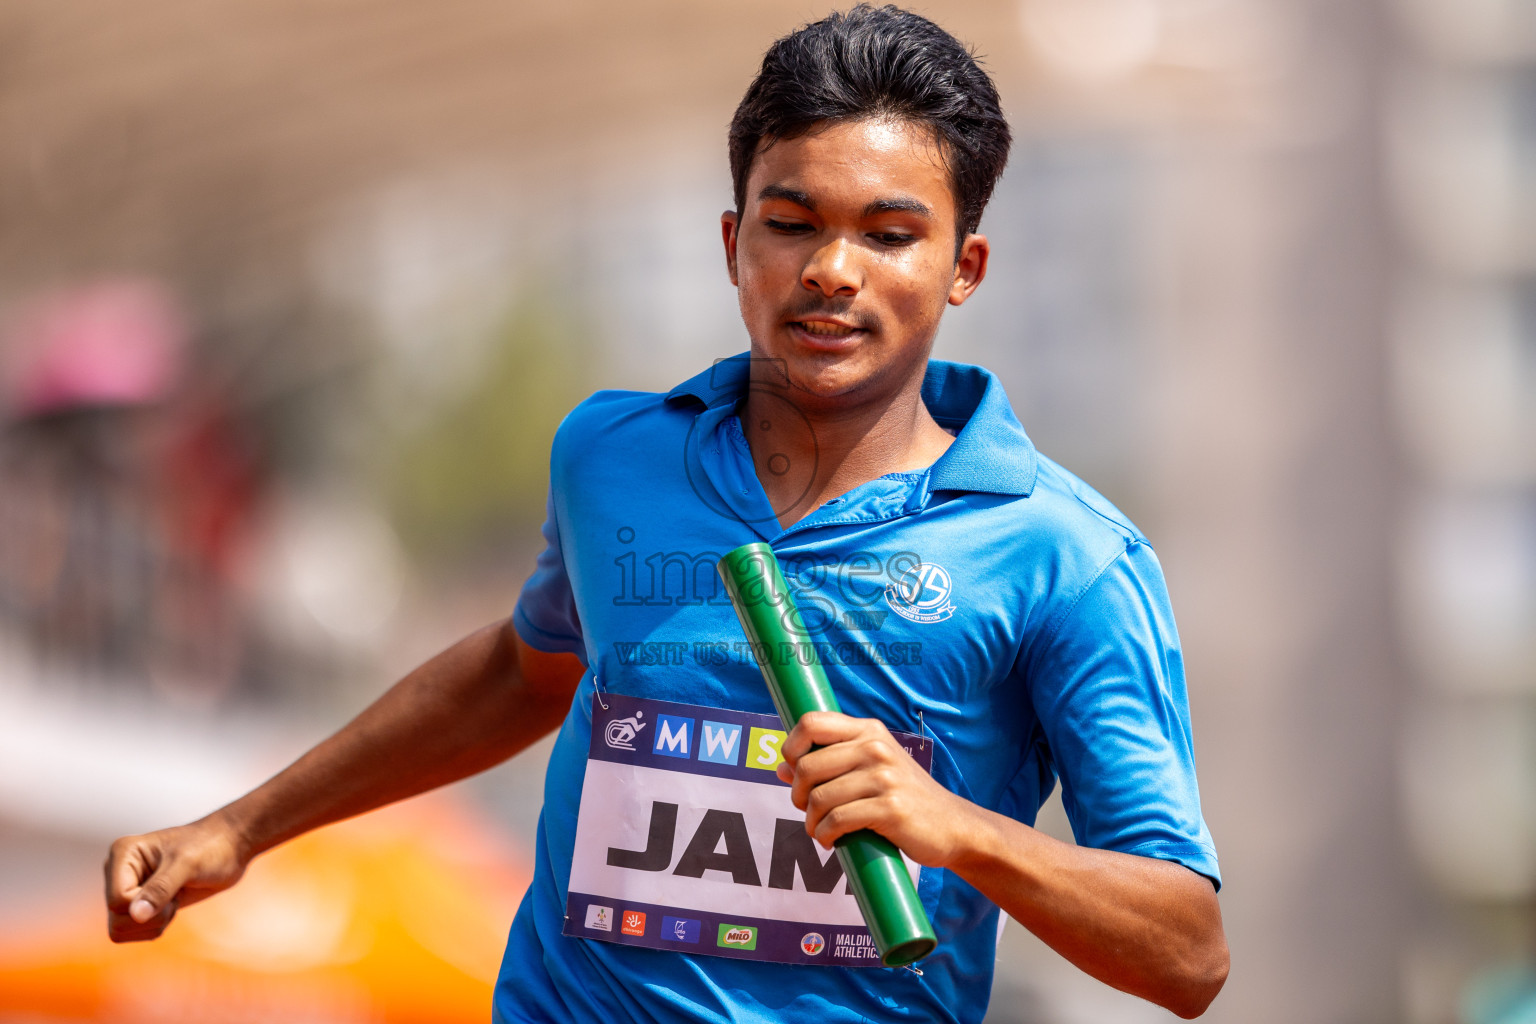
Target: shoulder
1064	499
617	424
603	411
1106	570
1065	537
1063	514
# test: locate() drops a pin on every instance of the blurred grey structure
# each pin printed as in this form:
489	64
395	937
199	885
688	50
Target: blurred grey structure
1262	274
1460	137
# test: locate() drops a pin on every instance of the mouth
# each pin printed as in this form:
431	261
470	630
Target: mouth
826	334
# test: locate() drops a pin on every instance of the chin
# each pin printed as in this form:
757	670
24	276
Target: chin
827	374
837	388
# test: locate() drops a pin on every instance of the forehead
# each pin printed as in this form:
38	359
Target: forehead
857	162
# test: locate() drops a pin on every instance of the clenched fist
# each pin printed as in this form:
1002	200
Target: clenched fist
850	773
148	877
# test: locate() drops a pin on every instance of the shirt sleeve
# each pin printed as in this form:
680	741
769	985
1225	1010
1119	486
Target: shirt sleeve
1108	687
545	616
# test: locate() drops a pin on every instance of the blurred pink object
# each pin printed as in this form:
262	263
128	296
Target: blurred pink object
114	342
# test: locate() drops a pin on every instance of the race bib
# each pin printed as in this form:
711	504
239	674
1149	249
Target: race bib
687	840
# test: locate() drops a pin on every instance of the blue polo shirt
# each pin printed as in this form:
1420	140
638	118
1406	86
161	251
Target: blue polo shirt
992	601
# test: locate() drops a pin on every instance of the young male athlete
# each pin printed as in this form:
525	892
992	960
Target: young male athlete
974	604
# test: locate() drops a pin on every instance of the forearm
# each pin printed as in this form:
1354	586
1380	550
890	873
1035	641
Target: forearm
473	706
1146	926
465	710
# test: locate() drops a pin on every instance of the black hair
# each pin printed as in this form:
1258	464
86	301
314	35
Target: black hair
879	62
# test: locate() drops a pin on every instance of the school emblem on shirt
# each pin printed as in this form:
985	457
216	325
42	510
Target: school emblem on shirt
922	594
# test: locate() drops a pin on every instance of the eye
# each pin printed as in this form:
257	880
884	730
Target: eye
786	227
893	238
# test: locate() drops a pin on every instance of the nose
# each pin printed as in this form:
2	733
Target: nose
833	270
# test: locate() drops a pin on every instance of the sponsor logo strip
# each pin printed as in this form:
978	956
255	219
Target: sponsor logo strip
688	931
688	738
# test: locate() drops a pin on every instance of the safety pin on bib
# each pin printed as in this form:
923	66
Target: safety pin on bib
597	691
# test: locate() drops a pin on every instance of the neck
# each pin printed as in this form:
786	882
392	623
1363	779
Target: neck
808	451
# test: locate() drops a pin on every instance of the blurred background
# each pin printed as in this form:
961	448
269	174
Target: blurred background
292	296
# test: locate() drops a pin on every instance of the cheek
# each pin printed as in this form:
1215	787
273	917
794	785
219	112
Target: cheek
762	281
921	293
767	264
749	292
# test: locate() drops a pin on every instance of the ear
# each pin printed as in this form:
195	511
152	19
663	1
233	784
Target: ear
728	225
970	268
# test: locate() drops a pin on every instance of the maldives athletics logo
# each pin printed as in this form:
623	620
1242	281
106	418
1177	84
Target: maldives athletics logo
922	594
812	943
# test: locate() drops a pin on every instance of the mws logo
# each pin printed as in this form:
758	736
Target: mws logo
715	742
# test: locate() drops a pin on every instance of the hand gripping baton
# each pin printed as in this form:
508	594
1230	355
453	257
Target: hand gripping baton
876	873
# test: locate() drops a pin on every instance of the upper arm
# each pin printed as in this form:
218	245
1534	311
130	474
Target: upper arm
545	628
545	616
546	624
554	674
1108	687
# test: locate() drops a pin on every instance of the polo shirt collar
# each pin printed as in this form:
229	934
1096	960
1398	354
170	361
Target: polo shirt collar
991	452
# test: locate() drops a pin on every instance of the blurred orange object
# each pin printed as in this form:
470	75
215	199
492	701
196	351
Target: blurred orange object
398	917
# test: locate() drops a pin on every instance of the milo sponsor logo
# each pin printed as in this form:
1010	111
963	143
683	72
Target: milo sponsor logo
854	946
737	936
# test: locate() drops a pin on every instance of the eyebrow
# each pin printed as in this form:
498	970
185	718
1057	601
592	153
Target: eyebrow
896	204
792	195
900	204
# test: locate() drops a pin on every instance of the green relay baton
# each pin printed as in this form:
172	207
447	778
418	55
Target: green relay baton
876	873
